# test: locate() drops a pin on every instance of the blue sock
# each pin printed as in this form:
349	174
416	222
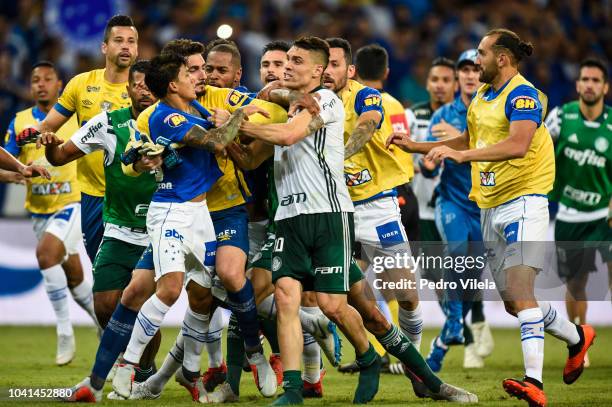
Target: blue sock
242	303
114	341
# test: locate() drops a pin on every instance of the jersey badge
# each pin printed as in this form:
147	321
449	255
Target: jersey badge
601	144
372	100
358	178
106	106
524	103
573	138
235	98
174	119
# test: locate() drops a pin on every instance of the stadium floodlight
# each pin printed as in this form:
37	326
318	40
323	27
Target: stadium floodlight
225	31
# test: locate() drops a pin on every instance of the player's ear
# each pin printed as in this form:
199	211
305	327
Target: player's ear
606	88
103	47
318	70
386	74
351	71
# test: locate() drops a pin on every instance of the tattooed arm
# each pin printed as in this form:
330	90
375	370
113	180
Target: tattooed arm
284	134
250	156
215	140
366	126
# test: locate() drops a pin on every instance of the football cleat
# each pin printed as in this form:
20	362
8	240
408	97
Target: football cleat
277	366
141	391
195	388
265	378
83	393
214	376
523	390
575	364
122	382
65	349
223	394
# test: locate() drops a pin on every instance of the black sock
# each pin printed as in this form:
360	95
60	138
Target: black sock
535	382
191	376
477	312
575	349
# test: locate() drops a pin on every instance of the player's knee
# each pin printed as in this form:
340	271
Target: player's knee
200	298
104	306
285	302
332	307
134	296
510	307
169	290
48	257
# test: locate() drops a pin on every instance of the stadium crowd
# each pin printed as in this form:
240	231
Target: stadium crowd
414	32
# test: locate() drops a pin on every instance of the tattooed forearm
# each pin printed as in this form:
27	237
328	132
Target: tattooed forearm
215	140
361	135
284	97
315	124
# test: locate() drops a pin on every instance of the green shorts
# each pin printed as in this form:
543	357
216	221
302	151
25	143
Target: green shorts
113	265
584	239
315	249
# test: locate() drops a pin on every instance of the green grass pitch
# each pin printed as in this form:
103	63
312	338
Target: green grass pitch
27	356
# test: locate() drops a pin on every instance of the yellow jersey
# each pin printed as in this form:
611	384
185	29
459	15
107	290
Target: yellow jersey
44	196
86	95
488	120
231	189
375	170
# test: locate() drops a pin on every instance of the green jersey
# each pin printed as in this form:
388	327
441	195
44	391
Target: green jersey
126	199
272	198
583	183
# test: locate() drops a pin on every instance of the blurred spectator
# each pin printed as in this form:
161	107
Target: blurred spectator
413	31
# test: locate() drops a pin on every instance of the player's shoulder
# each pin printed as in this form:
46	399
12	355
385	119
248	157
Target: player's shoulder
25	112
422	109
144	118
89	77
327	95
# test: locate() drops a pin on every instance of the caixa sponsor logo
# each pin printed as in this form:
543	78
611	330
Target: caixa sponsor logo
164	185
329	270
487	178
172	233
52	188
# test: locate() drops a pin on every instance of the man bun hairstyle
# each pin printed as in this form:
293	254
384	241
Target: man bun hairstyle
162	70
509	40
314	44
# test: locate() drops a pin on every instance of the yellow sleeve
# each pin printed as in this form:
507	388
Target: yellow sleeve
68	102
277	113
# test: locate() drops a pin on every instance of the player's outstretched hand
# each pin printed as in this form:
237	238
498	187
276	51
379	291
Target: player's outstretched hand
12	177
402	140
250	110
48	139
31	171
308	101
444	131
264	93
219	116
438	154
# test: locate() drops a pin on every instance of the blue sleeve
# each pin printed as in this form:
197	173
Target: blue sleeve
171	125
523	104
368	99
435	119
11	140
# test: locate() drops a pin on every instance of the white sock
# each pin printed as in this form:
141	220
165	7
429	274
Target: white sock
309	317
213	339
532	341
557	325
312	359
194	330
83	296
267	308
148	321
172	362
56	286
411	324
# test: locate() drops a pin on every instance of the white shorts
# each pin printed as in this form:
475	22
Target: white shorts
378	223
257	237
183	239
64	224
511	231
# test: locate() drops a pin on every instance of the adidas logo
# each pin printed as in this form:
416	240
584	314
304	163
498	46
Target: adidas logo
573	138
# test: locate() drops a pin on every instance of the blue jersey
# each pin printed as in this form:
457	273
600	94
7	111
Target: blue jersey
198	170
456	179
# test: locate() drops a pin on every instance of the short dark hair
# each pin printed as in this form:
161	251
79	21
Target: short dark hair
314	44
336	42
46	64
162	70
443	61
183	47
117	21
371	62
226	46
510	41
595	63
141	66
278	45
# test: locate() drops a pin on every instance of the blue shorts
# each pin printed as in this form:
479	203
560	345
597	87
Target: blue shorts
458	226
146	259
91	223
232	227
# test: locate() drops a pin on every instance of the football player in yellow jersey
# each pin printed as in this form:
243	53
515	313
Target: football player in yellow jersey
86	95
372	174
55	209
512	170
